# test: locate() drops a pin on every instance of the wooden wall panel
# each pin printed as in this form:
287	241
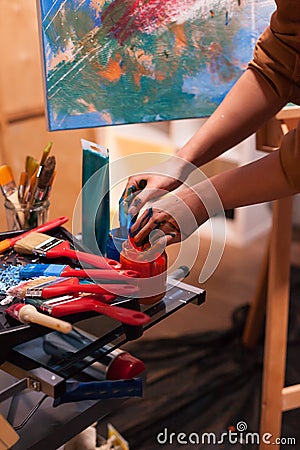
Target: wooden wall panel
21	75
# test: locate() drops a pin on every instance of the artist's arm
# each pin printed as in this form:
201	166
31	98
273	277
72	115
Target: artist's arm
250	102
259	181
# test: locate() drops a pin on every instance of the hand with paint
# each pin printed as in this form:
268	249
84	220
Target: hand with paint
156	182
170	219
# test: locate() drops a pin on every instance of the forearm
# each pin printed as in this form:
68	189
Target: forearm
179	213
259	181
250	102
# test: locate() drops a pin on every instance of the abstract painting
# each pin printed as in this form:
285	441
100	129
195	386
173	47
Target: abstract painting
110	62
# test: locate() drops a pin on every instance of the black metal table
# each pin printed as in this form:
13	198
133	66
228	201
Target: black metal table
50	427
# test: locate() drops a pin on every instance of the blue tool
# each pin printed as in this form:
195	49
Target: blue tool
100	390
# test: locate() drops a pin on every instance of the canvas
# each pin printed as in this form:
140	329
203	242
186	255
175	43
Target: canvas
111	62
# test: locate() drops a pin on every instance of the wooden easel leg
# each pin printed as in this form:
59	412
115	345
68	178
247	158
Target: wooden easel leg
254	323
276	321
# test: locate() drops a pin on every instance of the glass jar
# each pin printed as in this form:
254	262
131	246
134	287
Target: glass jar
152	267
21	217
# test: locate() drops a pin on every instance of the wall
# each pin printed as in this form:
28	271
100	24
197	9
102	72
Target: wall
23	128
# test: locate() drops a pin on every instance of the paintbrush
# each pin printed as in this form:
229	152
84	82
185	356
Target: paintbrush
31	164
31	168
7	182
68	305
48	287
28	314
49	188
22	186
45	153
30	194
50	247
44	180
60	270
6	244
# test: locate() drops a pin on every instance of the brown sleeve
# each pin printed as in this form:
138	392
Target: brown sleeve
289	151
279	63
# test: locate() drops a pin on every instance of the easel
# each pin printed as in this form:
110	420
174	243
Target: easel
272	297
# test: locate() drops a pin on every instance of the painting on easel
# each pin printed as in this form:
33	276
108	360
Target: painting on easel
110	62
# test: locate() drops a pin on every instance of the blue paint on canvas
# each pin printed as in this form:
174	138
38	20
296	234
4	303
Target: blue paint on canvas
111	62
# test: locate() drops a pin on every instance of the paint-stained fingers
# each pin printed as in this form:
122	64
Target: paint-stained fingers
133	185
137	223
141	235
136	204
159	239
170	230
160	220
172	238
142	197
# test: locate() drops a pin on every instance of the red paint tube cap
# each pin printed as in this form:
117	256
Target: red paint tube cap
124	367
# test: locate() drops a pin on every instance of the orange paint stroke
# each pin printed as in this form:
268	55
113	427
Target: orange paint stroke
112	72
137	75
137	79
160	76
180	37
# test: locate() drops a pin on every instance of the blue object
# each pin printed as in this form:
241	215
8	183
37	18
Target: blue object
100	390
114	244
9	276
124	205
38	270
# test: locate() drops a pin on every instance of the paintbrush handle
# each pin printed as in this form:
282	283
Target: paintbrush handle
29	314
121	276
64	250
124	315
114	290
87	304
6	244
49	225
98	261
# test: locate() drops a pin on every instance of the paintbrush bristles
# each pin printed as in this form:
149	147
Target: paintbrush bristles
27	245
47	172
20	289
31	164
